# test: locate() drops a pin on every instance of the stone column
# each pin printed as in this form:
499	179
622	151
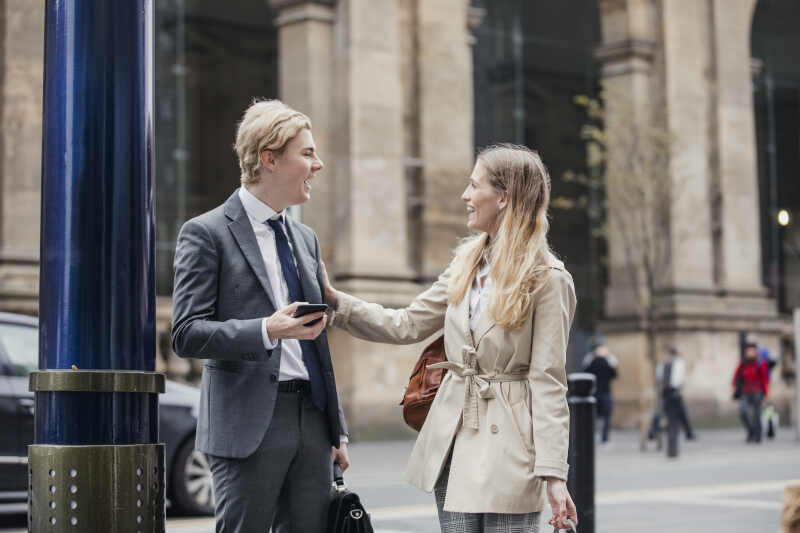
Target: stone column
22	27
630	72
367	135
446	139
738	175
371	241
687	61
305	44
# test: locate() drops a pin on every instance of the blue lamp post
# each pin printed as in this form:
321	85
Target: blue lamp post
96	464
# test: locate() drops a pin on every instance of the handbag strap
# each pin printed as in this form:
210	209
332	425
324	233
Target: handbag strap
571	526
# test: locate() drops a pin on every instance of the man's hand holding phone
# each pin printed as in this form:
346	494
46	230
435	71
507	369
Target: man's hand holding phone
298	320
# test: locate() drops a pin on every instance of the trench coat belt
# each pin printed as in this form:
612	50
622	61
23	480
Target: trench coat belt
477	385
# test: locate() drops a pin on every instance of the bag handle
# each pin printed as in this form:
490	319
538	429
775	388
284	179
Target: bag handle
338	478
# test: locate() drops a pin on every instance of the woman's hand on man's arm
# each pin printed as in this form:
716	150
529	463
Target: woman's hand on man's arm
329	293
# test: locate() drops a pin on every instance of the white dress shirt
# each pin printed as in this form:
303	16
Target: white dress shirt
479	295
677	374
292	366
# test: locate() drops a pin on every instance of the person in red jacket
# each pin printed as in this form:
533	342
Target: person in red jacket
751	386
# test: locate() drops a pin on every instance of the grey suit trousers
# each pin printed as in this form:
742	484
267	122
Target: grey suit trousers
286	482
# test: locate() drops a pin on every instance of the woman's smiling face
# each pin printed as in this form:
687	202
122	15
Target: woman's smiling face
484	202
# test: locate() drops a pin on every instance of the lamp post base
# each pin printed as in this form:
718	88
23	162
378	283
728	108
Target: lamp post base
96	489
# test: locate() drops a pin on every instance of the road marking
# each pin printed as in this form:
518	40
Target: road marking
191	526
691	492
403	511
697	495
729	502
692	495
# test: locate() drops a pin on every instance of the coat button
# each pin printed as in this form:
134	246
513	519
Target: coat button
273	378
494	428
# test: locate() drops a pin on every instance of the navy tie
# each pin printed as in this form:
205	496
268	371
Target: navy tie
310	353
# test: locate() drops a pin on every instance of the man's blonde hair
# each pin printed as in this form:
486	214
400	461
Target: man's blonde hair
266	125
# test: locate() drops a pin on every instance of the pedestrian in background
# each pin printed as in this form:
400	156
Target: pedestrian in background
764	355
670	376
769	416
603	365
751	387
494	445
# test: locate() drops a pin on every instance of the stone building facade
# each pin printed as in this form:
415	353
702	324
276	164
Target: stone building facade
402	92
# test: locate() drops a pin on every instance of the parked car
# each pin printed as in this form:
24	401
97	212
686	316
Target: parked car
188	473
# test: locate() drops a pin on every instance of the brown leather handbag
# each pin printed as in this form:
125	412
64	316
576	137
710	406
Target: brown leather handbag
423	384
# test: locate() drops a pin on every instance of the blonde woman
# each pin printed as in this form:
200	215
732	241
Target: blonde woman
496	437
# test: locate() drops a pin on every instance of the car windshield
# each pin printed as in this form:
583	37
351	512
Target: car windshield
21	345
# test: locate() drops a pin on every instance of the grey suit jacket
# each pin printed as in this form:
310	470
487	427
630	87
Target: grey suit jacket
220	296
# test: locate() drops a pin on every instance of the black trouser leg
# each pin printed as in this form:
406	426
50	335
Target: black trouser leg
683	416
604	410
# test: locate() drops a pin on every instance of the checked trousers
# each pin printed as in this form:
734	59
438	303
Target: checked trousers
480	522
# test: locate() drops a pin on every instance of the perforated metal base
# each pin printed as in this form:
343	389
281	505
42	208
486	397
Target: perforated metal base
96	489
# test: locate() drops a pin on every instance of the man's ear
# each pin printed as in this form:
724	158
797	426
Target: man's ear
268	160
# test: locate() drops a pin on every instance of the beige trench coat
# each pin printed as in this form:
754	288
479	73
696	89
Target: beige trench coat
502	405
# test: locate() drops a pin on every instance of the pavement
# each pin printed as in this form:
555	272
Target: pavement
718	484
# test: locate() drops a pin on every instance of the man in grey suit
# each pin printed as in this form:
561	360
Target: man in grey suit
270	419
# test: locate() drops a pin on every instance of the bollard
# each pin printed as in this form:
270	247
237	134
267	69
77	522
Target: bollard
580	481
673	426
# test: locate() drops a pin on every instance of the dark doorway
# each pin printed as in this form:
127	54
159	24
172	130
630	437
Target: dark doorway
775	36
530	61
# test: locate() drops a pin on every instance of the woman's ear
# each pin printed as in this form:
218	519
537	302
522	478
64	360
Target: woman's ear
502	202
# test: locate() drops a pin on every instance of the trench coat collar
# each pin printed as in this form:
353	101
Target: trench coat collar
485	324
483	327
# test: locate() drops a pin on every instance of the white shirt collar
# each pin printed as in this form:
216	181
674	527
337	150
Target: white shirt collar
483	273
255	208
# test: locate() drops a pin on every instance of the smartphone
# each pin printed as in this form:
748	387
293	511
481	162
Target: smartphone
307	309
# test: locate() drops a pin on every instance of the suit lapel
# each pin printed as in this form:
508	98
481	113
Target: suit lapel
243	234
306	265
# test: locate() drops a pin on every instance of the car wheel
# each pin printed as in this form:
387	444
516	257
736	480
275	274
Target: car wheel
191	481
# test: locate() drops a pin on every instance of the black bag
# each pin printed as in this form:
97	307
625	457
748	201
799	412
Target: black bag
345	513
737	389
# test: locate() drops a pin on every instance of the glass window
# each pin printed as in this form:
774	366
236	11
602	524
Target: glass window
20	344
530	61
211	59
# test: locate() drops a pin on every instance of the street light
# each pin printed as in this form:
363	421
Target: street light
783	217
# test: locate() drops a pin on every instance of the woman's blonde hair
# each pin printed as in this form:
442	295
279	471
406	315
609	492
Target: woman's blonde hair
266	125
520	255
